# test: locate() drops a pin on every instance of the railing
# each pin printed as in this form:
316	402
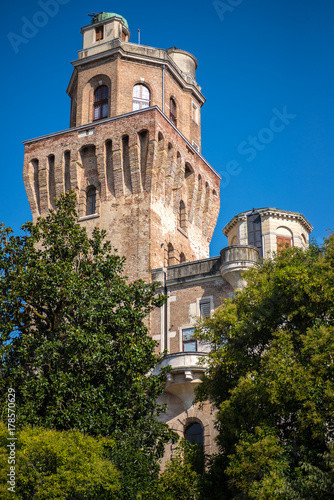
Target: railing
239	253
236	259
182	362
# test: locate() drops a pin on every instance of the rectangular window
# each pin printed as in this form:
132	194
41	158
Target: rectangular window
99	33
254	230
205	308
195	113
189	343
283	242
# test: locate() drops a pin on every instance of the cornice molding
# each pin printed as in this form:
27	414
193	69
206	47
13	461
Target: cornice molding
119	49
269	212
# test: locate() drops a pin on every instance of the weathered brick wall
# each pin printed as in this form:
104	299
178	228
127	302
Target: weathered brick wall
183	304
137	204
120	75
186	285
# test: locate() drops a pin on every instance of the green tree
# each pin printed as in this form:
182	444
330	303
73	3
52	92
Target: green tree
74	344
58	465
182	478
271	376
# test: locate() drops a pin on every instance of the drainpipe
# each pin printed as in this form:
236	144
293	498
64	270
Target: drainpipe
165	312
163	88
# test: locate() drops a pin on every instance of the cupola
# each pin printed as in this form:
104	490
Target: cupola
104	27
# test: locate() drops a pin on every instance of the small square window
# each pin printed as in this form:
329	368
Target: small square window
195	146
99	33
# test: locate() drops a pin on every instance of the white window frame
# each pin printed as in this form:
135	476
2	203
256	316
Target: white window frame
143	102
190	327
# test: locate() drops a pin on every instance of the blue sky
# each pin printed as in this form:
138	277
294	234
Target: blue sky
257	59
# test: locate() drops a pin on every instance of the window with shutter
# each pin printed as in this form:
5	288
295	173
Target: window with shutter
282	242
99	33
254	229
205	308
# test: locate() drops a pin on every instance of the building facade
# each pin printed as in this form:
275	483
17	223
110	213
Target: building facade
133	156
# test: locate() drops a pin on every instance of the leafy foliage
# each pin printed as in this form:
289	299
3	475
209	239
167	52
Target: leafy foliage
182	478
74	344
58	465
271	376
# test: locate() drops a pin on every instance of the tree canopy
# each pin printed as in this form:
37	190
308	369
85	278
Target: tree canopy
58	465
73	340
271	376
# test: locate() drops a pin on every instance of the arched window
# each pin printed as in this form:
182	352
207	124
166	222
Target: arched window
101	102
182	216
182	258
194	433
188	171
170	255
172	107
141	97
160	142
91	201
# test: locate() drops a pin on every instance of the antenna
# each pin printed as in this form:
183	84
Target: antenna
138	36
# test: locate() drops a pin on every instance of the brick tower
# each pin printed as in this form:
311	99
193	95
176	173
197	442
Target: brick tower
133	156
132	152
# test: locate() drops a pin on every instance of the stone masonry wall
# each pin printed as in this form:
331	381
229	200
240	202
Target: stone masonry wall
137	203
120	75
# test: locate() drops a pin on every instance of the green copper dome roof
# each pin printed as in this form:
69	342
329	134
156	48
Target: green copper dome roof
107	15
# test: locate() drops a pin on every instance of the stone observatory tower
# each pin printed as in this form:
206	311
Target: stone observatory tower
133	156
132	152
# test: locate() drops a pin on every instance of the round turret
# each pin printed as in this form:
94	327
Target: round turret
184	60
268	229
